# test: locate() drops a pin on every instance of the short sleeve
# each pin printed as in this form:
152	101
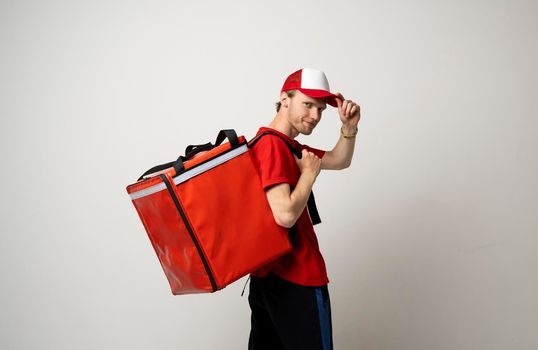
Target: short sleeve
318	152
275	161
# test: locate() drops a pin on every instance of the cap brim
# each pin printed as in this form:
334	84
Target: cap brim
329	97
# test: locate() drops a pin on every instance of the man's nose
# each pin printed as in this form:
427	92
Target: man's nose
315	114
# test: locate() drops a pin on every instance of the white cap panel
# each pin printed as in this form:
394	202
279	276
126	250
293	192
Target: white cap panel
314	79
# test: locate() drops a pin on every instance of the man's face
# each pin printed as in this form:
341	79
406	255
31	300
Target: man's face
304	112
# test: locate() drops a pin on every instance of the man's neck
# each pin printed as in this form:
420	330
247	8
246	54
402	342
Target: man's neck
280	123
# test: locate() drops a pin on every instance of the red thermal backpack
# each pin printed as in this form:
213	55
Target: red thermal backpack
207	215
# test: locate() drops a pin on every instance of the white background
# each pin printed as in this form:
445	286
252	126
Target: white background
430	237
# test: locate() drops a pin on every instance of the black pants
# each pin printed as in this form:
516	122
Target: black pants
289	316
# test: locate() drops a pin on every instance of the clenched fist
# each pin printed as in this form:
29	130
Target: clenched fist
309	163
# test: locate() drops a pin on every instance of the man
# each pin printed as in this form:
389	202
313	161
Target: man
289	299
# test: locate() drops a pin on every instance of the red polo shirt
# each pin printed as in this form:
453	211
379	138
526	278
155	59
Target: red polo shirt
305	264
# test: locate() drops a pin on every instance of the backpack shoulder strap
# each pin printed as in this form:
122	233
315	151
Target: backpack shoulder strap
311	203
291	147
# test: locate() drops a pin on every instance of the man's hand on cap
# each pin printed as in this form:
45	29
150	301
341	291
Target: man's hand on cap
349	111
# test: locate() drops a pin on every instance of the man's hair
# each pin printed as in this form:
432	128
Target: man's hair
290	93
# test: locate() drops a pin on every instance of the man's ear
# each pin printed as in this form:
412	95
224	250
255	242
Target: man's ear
284	99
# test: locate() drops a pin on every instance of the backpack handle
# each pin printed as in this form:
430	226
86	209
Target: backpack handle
193	150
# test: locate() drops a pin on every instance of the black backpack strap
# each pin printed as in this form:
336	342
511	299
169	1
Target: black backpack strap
291	147
175	164
311	203
313	209
193	150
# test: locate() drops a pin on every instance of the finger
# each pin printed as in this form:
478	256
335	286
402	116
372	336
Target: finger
354	110
358	108
339	98
349	107
344	106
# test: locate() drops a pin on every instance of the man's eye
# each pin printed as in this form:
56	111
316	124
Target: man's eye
308	104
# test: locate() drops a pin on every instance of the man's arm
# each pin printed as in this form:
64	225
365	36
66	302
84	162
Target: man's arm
342	153
288	205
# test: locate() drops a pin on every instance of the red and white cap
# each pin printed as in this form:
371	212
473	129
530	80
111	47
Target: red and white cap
311	82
